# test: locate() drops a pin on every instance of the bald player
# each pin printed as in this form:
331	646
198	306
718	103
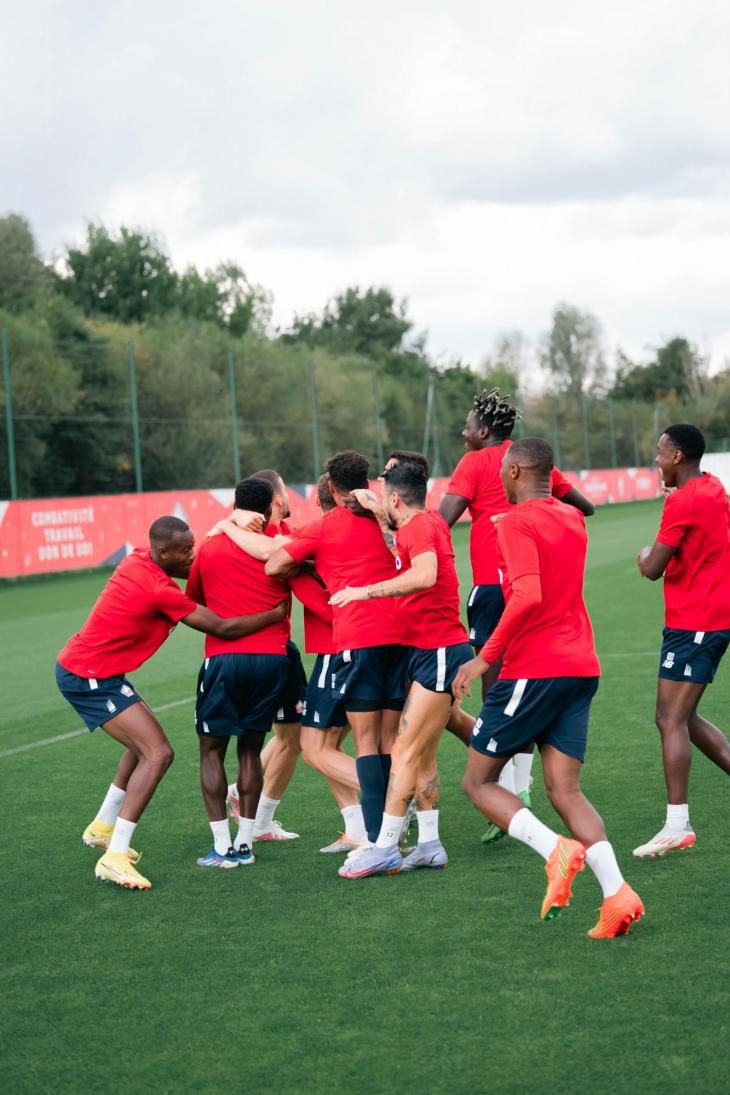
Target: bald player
134	615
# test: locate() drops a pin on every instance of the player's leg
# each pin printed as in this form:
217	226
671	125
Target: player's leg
283	754
98	832
214	786
429	851
321	749
137	729
250	784
710	740
365	727
460	723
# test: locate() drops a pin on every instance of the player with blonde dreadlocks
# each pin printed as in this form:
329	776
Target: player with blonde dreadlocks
476	484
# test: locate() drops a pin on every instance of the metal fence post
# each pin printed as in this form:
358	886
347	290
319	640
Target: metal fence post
586	443
234	416
635	436
436	468
12	474
135	416
316	462
612	433
427	422
556	437
378	419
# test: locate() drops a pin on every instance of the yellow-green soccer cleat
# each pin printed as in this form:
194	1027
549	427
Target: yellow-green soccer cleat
117	867
98	835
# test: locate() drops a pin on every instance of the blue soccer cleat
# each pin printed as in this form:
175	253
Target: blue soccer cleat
431	854
215	859
372	860
244	854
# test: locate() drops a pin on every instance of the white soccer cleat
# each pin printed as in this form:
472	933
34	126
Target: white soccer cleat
344	843
667	840
274	831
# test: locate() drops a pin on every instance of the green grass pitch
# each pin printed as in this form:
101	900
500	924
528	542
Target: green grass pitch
286	978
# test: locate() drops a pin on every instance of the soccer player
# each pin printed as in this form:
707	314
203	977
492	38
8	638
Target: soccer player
348	549
240	683
548	678
692	553
136	611
281	754
428	584
476	485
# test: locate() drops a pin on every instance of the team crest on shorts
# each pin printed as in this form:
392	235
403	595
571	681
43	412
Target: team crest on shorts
300	707
127	690
668	662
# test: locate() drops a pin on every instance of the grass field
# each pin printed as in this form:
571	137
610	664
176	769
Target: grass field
284	977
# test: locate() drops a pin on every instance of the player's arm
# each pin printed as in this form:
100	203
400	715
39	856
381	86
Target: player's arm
421	575
576	498
451	508
652	561
254	544
286	561
367	501
234	627
281	565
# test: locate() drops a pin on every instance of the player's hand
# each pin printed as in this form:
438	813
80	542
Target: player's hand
468	672
496	518
368	499
246	519
348	594
641	558
281	611
217	529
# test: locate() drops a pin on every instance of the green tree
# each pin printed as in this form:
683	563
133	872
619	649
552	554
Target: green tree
677	368
572	351
22	272
369	323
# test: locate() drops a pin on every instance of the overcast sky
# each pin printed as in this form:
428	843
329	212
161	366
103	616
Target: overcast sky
484	160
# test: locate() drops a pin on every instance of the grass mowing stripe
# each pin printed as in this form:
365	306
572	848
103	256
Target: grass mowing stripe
78	733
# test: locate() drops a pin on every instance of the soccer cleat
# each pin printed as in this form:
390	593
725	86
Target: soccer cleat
275	831
117	867
343	843
373	860
244	855
493	832
667	840
430	854
564	862
232	801
98	835
215	859
363	847
617	914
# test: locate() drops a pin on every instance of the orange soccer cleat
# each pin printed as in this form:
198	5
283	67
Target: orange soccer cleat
618	913
566	859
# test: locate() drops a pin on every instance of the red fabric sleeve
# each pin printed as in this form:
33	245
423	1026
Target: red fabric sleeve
526	594
517	546
559	485
172	602
306	542
194	587
675	521
418	537
464	479
312	595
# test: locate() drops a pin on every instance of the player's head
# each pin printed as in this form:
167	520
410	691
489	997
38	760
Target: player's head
679	447
325	501
172	546
526	466
404	490
256	495
491	420
280	505
347	471
403	456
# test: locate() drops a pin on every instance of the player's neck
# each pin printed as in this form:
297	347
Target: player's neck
408	515
539	492
684	475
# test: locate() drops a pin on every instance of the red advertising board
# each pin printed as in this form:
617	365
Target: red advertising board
71	533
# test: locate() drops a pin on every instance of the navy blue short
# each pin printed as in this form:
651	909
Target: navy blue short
374	678
238	693
691	656
291	701
483	610
552	711
323	705
96	700
436	669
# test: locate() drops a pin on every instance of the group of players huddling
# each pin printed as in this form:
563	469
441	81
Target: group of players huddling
377	580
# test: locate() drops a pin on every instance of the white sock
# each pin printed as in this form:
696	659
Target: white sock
122	835
221	836
677	818
530	830
523	771
390	831
245	832
428	825
602	861
354	822
265	812
109	810
507	776
232	790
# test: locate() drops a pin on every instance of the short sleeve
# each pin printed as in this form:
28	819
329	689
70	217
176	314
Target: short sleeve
312	595
464	480
559	484
172	602
517	544
420	537
304	545
675	521
194	587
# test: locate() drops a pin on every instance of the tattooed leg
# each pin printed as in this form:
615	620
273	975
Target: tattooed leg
414	751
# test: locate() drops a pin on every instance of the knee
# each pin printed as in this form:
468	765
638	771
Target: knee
310	756
162	757
469	786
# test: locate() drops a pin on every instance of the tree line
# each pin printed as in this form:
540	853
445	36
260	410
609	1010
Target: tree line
356	374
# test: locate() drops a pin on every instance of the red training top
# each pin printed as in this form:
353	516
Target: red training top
696	521
349	550
318	637
432	617
134	614
546	633
477	478
231	583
